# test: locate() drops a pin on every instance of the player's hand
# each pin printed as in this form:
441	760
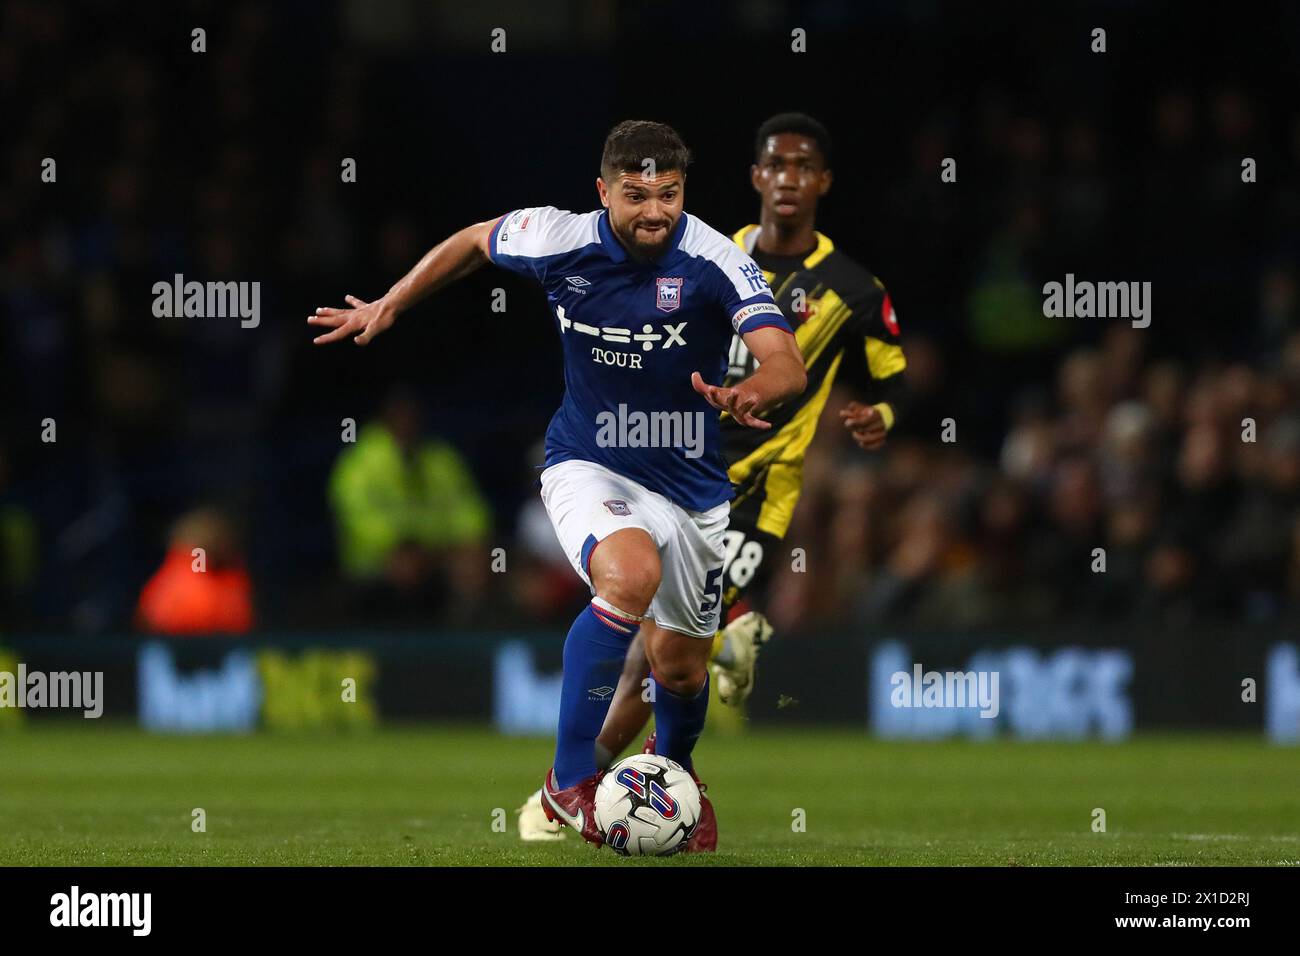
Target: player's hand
738	402
364	320
865	424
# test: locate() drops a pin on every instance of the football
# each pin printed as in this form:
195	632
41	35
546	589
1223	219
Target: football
647	805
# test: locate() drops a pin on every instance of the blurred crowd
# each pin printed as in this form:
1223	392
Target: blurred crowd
1174	449
1160	492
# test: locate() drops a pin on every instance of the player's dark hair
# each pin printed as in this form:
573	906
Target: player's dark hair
801	124
632	142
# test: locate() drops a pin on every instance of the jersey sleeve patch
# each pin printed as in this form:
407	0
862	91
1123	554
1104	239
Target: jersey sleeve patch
526	239
756	315
507	236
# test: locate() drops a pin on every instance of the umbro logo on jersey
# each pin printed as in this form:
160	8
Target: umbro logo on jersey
577	284
599	693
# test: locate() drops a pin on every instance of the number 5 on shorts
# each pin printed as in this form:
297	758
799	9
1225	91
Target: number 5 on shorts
712	591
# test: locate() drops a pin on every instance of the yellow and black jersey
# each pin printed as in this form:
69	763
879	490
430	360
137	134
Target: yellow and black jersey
844	324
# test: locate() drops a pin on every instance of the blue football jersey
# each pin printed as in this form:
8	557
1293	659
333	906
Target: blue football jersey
633	331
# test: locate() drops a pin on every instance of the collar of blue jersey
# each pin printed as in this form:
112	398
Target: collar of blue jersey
618	252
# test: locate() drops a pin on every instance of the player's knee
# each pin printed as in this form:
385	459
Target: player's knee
684	678
629	582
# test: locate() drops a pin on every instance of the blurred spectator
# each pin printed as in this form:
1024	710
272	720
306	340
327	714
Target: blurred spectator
411	521
203	586
1256	547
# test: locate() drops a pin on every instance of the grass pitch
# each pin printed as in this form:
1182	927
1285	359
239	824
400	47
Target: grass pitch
108	796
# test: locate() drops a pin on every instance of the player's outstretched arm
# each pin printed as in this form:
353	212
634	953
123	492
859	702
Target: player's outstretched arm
449	260
780	375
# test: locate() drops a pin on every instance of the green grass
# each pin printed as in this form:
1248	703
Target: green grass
108	795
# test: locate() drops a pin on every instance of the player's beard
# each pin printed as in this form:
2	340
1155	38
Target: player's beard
647	250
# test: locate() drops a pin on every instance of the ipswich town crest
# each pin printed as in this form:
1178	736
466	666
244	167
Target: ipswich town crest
668	294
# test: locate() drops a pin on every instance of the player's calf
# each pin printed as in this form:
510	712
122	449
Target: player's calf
680	679
679	662
631	707
624	568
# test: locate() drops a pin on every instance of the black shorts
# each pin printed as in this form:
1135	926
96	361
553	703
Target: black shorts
751	553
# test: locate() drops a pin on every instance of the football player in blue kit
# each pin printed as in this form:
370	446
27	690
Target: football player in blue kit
646	299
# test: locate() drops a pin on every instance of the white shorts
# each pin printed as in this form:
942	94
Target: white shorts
588	502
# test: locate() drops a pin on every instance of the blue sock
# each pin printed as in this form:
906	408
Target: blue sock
593	659
679	721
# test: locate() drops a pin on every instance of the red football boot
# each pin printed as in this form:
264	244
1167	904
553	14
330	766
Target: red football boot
705	837
574	806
